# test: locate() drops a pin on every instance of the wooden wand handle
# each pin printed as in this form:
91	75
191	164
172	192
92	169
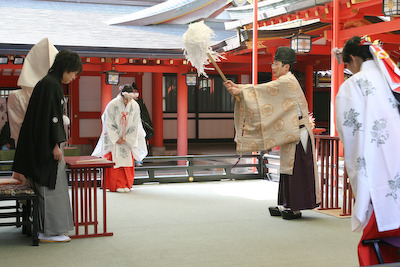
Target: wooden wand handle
216	66
219	71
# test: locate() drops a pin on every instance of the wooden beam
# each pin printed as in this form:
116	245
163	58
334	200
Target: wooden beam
132	68
320	50
348	11
387	38
239	59
230	67
373	29
366	4
10	65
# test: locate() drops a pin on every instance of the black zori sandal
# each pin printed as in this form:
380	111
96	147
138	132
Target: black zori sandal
290	215
274	211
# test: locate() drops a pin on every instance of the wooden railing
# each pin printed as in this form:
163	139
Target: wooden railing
166	169
329	165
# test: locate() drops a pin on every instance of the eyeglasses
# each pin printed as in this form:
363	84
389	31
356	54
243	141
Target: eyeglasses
275	64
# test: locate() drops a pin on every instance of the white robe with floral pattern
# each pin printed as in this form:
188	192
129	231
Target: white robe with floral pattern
368	123
113	120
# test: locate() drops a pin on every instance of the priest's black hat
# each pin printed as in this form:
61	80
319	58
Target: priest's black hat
285	54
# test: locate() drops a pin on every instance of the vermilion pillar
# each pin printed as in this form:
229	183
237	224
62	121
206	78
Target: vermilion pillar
182	114
341	66
334	65
139	83
272	51
255	43
157	109
255	50
106	91
309	86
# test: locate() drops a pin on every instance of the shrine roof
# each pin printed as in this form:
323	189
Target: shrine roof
84	26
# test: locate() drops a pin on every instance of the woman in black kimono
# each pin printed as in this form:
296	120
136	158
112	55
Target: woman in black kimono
39	153
146	120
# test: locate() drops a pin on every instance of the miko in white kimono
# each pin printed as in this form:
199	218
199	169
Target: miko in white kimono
368	123
122	140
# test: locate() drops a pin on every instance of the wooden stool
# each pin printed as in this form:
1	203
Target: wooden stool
26	198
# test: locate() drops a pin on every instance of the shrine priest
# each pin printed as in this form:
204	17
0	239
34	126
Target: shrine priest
276	114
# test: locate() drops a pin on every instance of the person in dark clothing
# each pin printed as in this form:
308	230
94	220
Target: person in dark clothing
145	116
6	142
39	154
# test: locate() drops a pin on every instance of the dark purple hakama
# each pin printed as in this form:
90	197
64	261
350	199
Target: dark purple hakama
297	191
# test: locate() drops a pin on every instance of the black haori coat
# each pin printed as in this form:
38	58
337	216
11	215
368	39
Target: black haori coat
41	130
146	120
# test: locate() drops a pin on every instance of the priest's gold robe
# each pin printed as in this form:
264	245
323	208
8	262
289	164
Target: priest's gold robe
270	115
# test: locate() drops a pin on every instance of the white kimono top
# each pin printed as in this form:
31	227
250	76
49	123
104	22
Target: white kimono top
36	65
368	123
120	121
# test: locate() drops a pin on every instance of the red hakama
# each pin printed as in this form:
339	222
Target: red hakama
119	177
366	254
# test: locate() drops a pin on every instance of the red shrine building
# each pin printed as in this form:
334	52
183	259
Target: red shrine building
141	42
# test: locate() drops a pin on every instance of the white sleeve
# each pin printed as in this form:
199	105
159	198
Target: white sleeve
111	123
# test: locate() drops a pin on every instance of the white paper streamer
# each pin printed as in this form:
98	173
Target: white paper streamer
196	42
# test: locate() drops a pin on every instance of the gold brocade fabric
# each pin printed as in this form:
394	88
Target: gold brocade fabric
267	116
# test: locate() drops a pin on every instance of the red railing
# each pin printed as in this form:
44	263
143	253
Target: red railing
327	152
348	198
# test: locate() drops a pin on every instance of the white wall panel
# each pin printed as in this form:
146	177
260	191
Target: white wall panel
216	129
208	129
90	94
170	129
89	128
147	90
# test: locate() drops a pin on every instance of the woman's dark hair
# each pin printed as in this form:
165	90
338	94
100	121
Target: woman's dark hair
66	60
354	48
127	88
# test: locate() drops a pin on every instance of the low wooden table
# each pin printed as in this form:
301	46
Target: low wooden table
84	194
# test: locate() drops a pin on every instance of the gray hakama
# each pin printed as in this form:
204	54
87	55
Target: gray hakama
55	214
297	191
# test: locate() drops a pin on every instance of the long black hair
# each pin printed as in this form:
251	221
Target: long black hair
355	48
66	60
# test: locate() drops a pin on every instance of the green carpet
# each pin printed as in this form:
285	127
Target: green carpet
196	224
